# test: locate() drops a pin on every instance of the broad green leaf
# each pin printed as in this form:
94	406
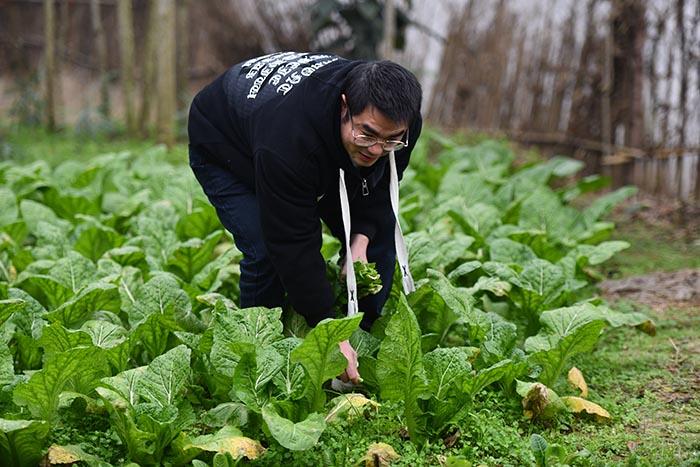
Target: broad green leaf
290	380
95	240
10	306
21	441
446	369
55	339
258	326
8	209
128	256
160	295
7	366
605	203
400	368
45	289
61	371
199	223
294	436
191	256
254	370
228	413
67	203
320	355
95	297
166	377
557	349
507	251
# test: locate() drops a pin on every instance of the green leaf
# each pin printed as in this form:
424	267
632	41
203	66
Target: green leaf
95	240
56	339
166	377
294	436
320	355
254	370
67	204
603	205
258	326
507	251
10	306
199	223
80	308
8	209
21	442
289	381
400	368
61	371
554	350
160	295
539	448
191	256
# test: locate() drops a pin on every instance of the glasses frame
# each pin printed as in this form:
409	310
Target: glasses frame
398	144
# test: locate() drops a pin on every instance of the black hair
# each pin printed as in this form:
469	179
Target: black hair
389	87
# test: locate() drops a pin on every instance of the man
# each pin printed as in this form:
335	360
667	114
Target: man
284	141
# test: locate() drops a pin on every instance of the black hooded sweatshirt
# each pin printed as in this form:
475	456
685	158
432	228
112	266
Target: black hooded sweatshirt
274	123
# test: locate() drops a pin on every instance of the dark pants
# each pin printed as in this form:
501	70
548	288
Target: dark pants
237	207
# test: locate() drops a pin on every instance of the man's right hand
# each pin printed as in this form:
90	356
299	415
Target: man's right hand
350	373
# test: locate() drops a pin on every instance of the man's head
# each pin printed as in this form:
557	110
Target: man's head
379	103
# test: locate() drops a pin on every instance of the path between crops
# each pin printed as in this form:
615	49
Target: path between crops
658	290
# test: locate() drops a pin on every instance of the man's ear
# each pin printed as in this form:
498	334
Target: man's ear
344	110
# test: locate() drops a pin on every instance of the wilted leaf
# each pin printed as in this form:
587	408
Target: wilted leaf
380	455
576	379
539	401
351	404
578	405
229	440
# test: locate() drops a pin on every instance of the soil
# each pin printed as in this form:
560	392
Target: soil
658	290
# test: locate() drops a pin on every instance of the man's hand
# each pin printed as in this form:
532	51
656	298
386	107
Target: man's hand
358	251
350	373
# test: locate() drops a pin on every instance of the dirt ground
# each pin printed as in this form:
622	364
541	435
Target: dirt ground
658	290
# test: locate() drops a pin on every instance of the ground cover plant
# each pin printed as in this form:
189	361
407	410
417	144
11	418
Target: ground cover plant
121	340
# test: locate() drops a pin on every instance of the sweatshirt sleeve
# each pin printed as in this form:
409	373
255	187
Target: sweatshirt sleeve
370	213
292	233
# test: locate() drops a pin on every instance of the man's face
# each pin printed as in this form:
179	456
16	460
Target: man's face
371	122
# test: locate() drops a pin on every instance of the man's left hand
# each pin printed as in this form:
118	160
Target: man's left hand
358	250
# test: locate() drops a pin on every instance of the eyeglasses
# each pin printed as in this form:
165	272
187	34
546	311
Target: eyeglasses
366	141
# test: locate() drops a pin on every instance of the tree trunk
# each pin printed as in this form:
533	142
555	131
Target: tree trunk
101	49
61	51
387	45
608	79
685	70
126	49
183	49
167	69
50	63
148	68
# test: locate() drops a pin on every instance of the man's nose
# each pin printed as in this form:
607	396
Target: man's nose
376	149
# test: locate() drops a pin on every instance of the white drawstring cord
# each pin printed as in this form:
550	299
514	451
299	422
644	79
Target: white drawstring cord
401	250
353	307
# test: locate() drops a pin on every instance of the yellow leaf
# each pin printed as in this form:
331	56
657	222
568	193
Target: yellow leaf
380	455
237	446
351	404
63	455
648	327
578	405
576	379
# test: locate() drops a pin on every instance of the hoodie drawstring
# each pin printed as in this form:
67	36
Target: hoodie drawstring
401	250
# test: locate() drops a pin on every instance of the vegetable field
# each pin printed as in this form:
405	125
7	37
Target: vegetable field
121	341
